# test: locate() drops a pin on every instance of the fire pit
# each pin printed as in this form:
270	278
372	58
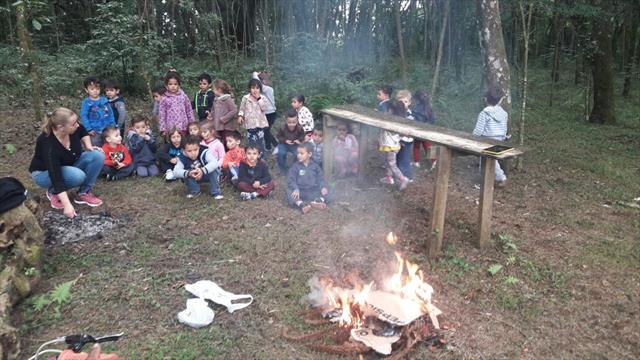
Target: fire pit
389	317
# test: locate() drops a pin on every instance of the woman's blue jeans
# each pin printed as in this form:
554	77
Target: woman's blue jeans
82	174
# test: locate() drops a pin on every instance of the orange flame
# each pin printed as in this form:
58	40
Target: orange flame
391	238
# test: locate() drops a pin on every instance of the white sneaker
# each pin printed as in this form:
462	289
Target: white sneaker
169	175
387	180
218	197
245	195
416	164
275	151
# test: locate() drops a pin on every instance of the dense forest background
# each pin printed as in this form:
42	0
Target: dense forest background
333	51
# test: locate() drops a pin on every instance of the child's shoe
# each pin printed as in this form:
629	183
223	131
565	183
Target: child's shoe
234	180
387	180
193	195
404	182
88	199
247	195
416	164
305	208
275	151
502	183
217	196
56	203
318	203
169	175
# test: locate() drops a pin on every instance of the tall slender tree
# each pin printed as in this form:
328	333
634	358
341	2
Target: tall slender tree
603	110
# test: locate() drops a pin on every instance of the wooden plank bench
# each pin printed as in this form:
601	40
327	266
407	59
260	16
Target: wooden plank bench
448	140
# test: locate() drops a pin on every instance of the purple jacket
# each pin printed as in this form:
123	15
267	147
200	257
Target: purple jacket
224	113
175	111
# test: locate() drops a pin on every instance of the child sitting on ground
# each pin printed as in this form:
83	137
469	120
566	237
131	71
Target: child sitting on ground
224	110
289	136
406	142
345	152
203	99
317	140
209	139
234	155
117	160
112	90
197	165
169	152
254	179
305	118
422	112
193	129
389	142
142	147
306	187
95	112
492	123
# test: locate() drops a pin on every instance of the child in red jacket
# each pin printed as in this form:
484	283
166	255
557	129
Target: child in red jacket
117	160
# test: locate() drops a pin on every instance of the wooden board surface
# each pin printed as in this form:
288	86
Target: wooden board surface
452	139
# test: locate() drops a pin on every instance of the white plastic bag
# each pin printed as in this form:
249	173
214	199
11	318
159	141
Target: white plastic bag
197	314
209	290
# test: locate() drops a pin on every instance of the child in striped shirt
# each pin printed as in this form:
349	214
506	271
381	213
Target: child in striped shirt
492	123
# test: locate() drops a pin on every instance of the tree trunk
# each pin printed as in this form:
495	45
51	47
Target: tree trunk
436	72
496	67
603	111
630	45
403	61
526	32
28	57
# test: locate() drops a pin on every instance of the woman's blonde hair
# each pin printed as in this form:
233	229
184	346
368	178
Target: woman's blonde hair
59	116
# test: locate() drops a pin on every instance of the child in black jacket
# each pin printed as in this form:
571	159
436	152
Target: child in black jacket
254	178
306	187
169	152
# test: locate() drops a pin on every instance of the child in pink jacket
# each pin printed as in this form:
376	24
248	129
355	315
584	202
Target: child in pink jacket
175	107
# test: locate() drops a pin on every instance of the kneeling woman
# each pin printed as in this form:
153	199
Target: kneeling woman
60	164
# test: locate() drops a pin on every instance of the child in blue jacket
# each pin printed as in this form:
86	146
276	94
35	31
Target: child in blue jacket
95	111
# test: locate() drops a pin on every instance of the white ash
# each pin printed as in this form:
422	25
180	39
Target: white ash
62	230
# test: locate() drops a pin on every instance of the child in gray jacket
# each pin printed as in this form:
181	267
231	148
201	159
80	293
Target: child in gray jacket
306	187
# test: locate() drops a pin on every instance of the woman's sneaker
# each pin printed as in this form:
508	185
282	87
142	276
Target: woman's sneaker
88	199
56	203
387	180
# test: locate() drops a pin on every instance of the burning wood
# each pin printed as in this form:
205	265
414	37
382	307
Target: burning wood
398	313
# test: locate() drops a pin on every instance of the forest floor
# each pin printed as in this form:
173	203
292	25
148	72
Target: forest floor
560	230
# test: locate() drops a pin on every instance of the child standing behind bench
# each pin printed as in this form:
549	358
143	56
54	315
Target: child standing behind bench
492	123
306	187
422	112
390	145
254	178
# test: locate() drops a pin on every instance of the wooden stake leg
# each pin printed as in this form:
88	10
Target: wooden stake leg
328	132
434	239
486	200
363	143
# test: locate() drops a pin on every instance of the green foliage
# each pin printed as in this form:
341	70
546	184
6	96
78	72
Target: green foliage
494	269
57	297
511	280
10	148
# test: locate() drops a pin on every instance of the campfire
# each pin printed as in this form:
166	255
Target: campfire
391	316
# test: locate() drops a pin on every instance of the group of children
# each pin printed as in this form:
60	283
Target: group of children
208	148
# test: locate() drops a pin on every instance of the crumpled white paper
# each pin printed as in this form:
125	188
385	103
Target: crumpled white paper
197	314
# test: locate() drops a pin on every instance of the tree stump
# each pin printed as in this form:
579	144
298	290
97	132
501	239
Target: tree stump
21	245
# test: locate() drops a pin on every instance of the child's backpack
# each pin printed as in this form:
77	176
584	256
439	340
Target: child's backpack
12	194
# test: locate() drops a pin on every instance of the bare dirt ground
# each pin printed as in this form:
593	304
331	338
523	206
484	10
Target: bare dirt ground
570	254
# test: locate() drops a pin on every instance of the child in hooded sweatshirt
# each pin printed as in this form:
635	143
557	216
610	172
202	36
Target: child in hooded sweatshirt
142	147
168	153
306	187
254	179
197	165
224	110
175	108
492	123
203	99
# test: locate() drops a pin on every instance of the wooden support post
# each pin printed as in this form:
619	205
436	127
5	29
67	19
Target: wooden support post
434	239
328	132
486	200
363	143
